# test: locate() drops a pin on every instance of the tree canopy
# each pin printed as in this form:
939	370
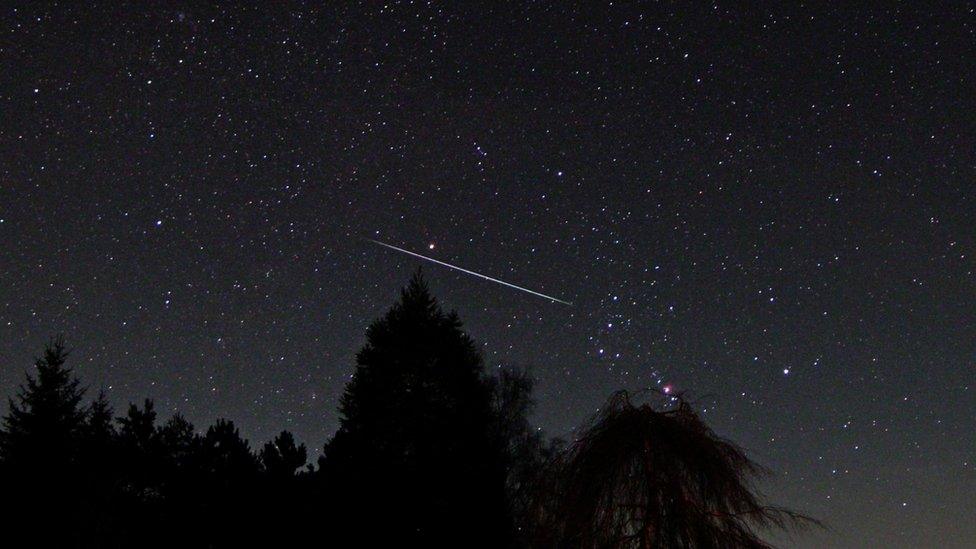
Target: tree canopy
417	432
641	477
431	451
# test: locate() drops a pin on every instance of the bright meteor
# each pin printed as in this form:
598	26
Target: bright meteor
479	275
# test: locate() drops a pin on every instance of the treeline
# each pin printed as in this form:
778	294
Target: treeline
431	451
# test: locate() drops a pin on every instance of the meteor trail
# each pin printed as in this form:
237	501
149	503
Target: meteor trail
479	275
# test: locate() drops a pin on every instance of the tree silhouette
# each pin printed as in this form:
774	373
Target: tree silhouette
430	451
281	457
41	428
524	449
287	492
228	491
98	467
98	424
39	448
227	454
415	448
137	429
181	442
642	478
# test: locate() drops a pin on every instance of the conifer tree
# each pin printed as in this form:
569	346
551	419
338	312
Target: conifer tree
138	428
282	457
39	452
99	466
228	493
42	426
228	455
287	501
180	440
415	442
98	422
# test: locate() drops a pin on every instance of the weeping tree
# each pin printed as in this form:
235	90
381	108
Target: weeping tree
646	477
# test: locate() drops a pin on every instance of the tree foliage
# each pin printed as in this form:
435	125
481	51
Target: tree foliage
44	422
639	477
431	451
416	433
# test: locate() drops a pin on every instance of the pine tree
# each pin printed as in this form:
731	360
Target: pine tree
98	423
282	457
39	453
416	438
181	443
142	454
229	491
137	428
42	426
99	467
228	455
97	446
286	502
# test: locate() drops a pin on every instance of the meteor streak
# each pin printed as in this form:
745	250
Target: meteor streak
479	275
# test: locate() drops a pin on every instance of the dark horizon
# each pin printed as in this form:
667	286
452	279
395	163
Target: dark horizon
431	446
771	210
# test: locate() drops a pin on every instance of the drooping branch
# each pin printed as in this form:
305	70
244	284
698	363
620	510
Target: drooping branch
640	477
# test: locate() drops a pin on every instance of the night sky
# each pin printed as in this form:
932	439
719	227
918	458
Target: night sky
772	210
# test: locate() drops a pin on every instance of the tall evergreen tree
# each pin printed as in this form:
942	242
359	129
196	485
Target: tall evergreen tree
42	426
98	423
99	467
39	453
415	460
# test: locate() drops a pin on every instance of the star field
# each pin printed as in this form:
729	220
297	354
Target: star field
772	210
